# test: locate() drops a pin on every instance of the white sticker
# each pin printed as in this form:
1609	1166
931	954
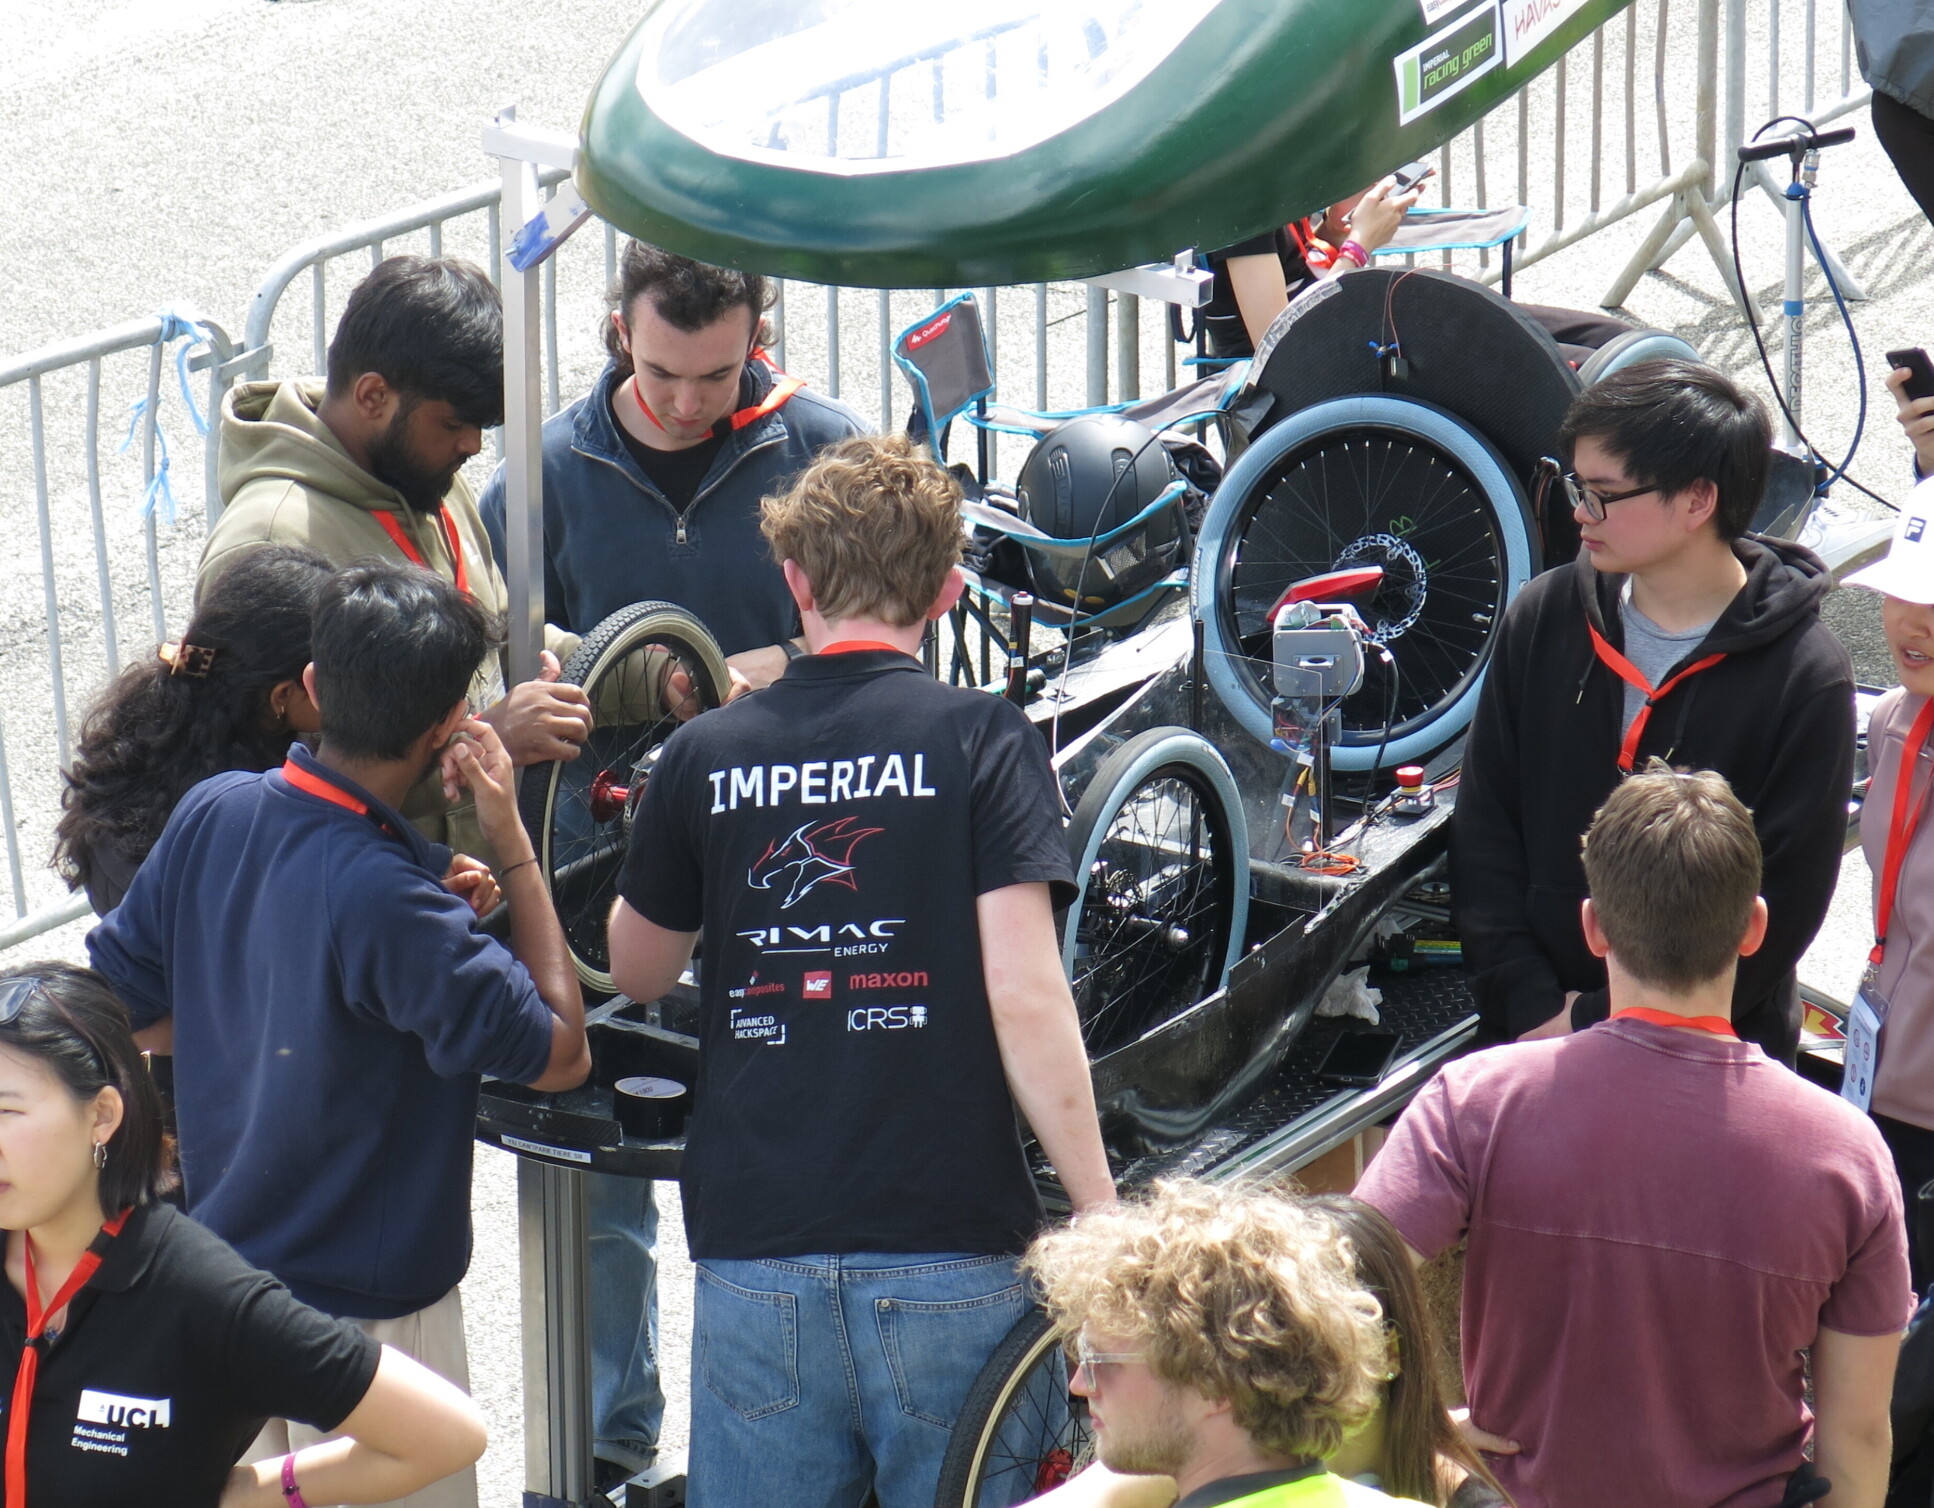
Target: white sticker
1862	1056
539	1149
1447	63
1529	22
1435	10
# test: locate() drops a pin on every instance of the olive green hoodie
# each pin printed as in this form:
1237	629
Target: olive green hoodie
286	479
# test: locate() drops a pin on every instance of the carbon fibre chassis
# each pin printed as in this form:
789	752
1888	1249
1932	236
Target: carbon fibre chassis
1223	1082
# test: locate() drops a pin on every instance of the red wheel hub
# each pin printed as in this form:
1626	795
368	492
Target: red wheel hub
608	796
1056	1467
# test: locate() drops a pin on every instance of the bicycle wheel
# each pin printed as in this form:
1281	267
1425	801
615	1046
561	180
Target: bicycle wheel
579	811
1367	481
1161	858
1021	1432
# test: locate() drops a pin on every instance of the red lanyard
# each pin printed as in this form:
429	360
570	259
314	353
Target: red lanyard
1901	826
1317	254
782	390
37	1317
315	785
408	546
1629	673
1719	1026
859	646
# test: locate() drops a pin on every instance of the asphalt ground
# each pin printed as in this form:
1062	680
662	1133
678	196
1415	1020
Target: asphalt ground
161	152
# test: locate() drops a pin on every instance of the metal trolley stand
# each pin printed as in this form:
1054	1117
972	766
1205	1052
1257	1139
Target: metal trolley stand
558	1138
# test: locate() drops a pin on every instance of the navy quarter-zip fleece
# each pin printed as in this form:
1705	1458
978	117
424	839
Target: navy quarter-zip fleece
611	538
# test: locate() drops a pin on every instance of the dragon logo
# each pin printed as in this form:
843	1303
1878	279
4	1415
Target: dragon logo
810	854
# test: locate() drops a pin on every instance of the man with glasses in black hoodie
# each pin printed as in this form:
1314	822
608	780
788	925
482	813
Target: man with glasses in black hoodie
1674	634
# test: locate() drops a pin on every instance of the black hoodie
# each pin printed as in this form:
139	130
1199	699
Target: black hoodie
1775	717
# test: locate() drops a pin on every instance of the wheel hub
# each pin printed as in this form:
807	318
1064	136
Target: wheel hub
610	795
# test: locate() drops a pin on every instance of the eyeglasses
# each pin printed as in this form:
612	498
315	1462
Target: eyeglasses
1577	494
1086	1358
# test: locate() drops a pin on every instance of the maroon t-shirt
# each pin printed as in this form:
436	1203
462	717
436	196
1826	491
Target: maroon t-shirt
1660	1220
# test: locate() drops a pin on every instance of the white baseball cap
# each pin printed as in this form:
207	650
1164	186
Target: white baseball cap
1906	571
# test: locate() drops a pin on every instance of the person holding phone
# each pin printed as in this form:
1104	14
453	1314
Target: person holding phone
1912	383
164	1348
1257	279
1899	988
333	1008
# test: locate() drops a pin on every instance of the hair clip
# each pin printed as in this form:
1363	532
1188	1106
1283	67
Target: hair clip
192	660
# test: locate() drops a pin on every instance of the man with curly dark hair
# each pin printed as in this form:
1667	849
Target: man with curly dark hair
1222	1337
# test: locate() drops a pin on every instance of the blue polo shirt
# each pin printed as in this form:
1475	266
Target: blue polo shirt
333	1011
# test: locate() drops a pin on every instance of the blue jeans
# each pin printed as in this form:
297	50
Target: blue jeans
626	1401
815	1378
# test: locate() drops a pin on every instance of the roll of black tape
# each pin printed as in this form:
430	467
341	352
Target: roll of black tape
651	1109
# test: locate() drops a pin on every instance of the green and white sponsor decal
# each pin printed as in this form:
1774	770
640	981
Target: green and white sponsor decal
1448	62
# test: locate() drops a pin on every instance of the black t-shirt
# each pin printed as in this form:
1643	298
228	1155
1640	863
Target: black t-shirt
174	1354
1228	336
831	834
676	473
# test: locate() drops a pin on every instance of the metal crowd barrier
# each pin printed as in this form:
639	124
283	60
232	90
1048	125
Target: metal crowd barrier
78	496
1642	114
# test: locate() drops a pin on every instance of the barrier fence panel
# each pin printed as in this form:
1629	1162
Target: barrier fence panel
1629	121
118	525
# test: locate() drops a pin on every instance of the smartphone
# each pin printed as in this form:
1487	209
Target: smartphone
1358	1059
1921	384
1412	172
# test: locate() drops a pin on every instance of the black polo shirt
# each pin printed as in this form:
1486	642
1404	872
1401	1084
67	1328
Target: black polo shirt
174	1354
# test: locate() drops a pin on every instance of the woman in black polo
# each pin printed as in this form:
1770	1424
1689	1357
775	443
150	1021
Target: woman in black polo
159	1351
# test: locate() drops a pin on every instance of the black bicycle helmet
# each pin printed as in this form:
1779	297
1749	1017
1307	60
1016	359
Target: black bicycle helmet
1082	483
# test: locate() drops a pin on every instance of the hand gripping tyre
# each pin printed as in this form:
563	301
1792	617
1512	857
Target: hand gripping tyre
1361	481
1020	1432
1161	860
641	667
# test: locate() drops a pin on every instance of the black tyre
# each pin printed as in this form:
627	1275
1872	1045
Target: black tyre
1380	481
1021	1432
1161	860
579	811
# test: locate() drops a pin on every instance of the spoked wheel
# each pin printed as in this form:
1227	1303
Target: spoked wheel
1161	857
1381	481
1020	1432
636	667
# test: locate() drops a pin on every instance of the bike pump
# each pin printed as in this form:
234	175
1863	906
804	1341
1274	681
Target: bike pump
1802	146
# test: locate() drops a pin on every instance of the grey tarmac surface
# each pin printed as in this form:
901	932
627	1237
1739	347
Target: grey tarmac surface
167	151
